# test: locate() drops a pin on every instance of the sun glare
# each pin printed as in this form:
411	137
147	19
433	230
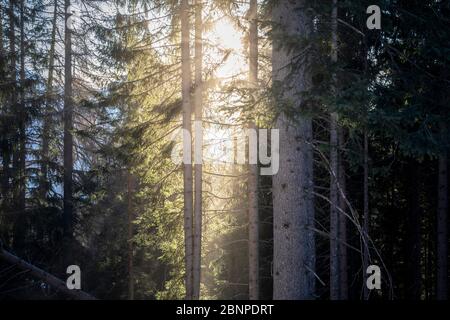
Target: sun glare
228	49
227	57
227	35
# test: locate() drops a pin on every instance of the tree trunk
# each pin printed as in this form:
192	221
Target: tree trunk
442	223
20	182
198	148
44	276
413	267
293	202
22	114
4	140
68	128
187	143
334	168
2	56
343	267
253	213
13	112
130	237
44	184
366	222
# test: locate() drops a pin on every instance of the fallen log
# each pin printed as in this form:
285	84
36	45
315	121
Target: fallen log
44	276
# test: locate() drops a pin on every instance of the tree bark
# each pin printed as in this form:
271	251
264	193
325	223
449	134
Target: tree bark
22	115
130	237
343	267
4	140
198	149
442	223
187	143
253	213
366	218
20	152
293	202
67	216
13	112
334	174
413	243
68	128
44	184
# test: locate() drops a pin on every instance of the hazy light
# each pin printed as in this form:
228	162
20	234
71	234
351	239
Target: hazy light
228	40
